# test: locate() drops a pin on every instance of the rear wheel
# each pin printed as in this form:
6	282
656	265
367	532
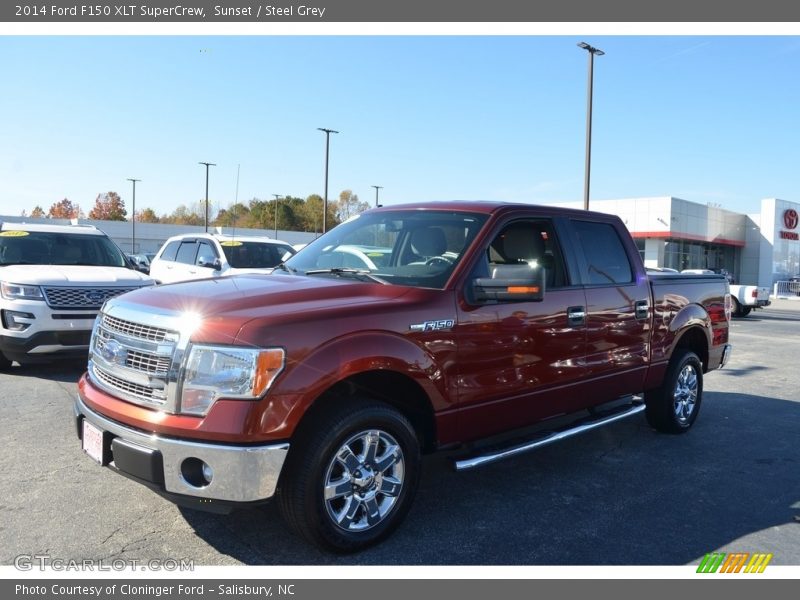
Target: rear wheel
673	407
350	476
737	308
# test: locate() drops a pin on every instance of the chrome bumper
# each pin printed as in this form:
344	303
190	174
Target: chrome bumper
240	473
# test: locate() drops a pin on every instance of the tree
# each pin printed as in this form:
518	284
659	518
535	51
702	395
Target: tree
65	209
147	215
349	205
183	216
38	212
108	207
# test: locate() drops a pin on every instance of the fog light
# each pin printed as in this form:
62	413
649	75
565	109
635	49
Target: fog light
196	472
208	473
17	321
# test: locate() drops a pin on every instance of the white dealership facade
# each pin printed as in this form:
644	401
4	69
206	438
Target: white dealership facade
758	249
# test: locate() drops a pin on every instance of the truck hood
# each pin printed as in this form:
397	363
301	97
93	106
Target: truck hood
79	275
227	303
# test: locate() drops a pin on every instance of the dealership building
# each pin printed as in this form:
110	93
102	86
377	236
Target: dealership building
758	249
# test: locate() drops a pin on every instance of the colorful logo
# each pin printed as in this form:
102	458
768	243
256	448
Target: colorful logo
790	218
736	562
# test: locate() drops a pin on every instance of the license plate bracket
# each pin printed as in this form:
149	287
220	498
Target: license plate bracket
93	442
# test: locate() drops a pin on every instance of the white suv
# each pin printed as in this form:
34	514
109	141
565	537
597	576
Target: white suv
53	281
204	255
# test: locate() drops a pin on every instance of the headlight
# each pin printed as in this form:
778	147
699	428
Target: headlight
18	291
227	372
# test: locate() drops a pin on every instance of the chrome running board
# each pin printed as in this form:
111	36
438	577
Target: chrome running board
550	437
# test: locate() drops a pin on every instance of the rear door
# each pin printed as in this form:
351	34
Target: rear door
617	308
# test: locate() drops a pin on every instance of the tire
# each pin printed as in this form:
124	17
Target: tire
737	308
745	310
4	362
350	476
673	407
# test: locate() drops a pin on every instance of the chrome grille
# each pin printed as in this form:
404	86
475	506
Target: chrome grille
148	363
81	297
135	354
141	392
136	330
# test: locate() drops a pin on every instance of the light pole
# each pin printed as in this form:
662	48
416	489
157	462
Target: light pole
133	215
592	51
277	196
207	164
328	133
377	187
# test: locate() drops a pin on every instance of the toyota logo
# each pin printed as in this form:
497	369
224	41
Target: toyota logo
790	218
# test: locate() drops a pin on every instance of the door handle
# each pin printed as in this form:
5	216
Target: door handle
576	315
642	309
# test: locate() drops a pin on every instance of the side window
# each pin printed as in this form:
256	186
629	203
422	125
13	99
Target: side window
526	242
606	259
170	251
206	251
187	253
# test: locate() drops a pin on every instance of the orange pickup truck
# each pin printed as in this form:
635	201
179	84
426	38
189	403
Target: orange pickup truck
403	331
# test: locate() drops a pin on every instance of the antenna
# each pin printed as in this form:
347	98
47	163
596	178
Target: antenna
235	202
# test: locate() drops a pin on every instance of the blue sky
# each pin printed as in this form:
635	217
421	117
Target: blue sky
705	118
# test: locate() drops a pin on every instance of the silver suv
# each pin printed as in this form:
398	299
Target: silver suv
53	281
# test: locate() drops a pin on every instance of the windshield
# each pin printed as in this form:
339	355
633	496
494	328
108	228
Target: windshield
54	248
255	255
419	248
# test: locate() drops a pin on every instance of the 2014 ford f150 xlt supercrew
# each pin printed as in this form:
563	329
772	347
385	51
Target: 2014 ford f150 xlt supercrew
402	331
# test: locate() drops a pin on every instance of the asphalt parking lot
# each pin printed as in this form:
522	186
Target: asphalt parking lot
621	495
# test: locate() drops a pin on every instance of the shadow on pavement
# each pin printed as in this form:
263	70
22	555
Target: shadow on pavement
623	495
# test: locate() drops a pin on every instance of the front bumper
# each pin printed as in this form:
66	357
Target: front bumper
241	474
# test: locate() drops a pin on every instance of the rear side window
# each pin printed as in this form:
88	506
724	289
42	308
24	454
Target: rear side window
606	260
187	252
170	251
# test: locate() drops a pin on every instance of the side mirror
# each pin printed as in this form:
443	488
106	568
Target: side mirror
511	283
209	263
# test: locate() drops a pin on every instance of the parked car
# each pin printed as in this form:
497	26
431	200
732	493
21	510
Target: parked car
323	384
54	279
744	298
200	256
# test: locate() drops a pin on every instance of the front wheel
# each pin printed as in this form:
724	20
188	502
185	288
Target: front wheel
673	407
351	475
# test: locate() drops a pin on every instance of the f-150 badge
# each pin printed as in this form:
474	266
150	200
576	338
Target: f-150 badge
433	325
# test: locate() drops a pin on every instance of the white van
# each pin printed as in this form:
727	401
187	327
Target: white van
204	255
53	281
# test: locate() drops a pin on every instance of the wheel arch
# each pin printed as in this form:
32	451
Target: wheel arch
398	390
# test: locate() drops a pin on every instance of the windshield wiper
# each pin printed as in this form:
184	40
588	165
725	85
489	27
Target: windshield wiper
284	267
345	272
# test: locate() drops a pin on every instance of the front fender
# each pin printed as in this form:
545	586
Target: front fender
325	366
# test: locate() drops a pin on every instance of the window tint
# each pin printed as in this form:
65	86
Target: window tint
170	251
54	248
187	252
606	259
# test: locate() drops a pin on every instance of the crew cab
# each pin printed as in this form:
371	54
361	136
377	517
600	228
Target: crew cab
323	384
53	281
